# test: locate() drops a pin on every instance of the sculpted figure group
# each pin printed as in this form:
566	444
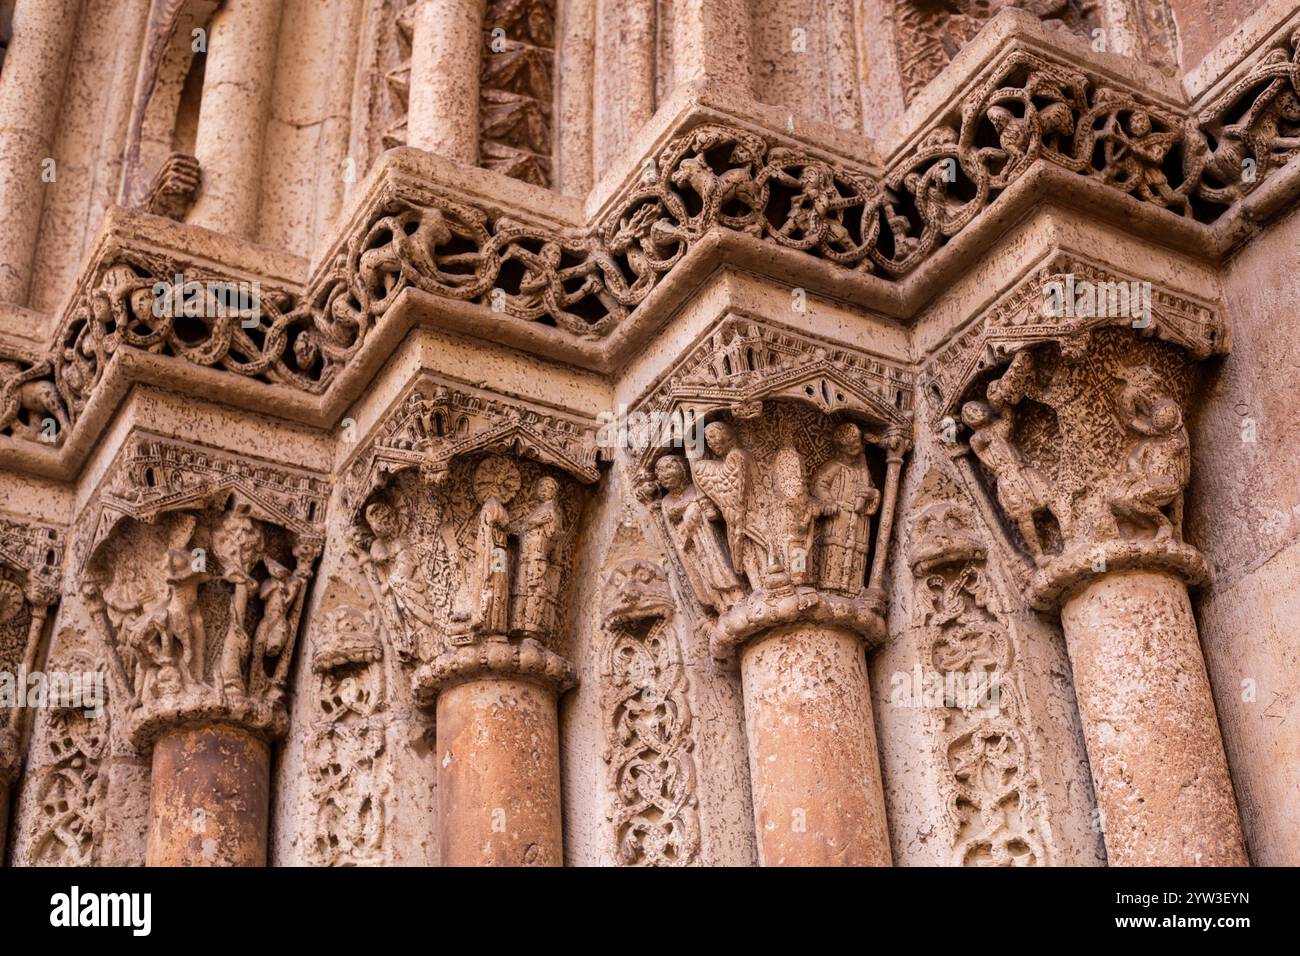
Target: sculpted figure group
1142	497
731	540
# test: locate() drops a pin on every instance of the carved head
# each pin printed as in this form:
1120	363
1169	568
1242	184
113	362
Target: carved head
976	414
720	437
1166	416
382	519
547	488
670	472
848	438
347	636
944	533
635	589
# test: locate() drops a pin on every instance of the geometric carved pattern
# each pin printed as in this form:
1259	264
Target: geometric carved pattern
515	89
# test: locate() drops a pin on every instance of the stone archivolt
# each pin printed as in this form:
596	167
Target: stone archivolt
714	176
194	570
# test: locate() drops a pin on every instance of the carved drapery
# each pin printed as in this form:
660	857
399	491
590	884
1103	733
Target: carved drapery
984	737
647	718
194	565
770	521
586	283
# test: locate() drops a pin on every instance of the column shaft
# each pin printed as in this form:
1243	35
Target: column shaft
31	92
1149	723
210	798
237	86
446	49
814	767
499	774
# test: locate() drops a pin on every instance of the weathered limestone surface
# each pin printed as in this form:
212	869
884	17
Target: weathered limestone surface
724	432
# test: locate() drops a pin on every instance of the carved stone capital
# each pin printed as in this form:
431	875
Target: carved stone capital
465	506
194	566
1073	395
767	504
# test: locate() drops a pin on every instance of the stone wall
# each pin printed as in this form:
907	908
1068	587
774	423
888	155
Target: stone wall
660	433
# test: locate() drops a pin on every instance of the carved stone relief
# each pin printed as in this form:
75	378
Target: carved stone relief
194	568
1076	420
983	733
465	514
649	740
771	519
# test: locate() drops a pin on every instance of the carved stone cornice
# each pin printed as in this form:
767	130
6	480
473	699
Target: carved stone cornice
714	175
464	506
169	518
1073	398
758	540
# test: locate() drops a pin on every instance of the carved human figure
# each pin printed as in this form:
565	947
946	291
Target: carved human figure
1021	490
391	564
496	481
538	581
799	512
691	518
1158	466
278	593
728	480
847	498
178	611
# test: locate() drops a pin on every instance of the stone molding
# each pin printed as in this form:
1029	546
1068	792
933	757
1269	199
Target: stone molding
587	281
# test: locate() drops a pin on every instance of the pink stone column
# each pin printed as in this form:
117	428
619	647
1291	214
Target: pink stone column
446	50
499	774
814	767
1149	723
31	92
210	799
240	72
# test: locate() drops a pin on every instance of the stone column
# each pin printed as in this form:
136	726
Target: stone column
446	50
1152	734
1081	440
711	44
814	767
770	528
31	91
498	746
210	797
41	592
499	774
237	83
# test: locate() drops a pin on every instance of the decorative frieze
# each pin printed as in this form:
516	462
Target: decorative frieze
714	176
516	88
